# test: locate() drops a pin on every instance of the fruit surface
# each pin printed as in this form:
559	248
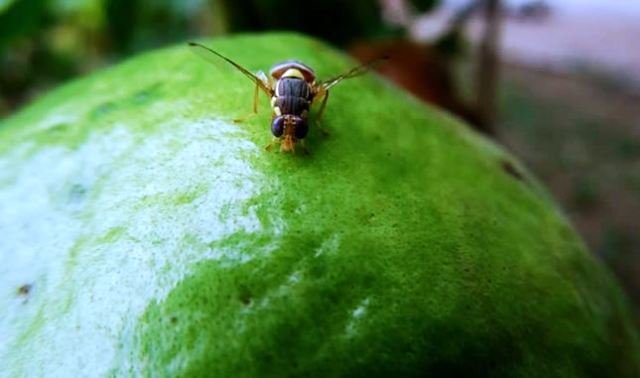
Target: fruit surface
145	233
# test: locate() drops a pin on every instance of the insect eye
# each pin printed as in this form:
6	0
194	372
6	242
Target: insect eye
302	128
277	126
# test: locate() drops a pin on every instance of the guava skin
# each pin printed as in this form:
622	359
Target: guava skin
158	238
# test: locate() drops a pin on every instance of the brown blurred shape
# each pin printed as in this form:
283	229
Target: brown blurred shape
421	70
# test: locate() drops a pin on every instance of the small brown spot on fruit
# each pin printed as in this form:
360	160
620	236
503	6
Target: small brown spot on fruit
24	291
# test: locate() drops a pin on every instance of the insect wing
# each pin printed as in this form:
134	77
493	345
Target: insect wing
213	57
354	72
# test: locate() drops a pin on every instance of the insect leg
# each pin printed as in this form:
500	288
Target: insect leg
256	97
265	83
303	148
325	97
323	105
255	107
245	118
269	146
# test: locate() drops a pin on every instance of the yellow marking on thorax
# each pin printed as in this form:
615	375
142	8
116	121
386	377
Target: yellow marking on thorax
275	108
293	72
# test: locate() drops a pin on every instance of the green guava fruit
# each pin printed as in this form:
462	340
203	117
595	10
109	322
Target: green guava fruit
145	233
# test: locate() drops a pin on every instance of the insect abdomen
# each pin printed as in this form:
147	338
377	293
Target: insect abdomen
293	96
292	105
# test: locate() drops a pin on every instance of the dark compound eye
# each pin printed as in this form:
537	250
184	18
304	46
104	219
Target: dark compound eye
277	126
302	128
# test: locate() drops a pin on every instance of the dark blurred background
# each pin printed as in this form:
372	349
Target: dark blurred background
557	81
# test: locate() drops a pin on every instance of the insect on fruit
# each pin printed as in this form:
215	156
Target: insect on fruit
293	88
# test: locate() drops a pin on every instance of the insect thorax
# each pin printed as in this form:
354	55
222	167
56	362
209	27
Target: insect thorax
289	67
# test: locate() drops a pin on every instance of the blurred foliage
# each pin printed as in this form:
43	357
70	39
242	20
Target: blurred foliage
423	6
4	4
337	21
44	42
21	18
452	43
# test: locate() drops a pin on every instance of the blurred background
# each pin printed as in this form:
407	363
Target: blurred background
555	81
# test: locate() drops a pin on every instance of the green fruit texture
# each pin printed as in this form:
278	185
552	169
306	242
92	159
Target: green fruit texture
144	233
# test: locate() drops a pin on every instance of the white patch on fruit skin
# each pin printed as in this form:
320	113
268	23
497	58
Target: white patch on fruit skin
56	119
329	246
361	309
40	227
356	316
111	204
294	277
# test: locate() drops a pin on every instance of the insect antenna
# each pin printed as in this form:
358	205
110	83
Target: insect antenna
213	57
354	72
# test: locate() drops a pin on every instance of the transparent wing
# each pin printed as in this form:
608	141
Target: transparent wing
354	72
213	56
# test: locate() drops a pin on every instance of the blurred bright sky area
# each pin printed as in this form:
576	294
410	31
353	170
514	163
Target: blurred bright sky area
593	33
619	7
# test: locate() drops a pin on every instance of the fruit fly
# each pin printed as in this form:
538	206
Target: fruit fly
292	88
